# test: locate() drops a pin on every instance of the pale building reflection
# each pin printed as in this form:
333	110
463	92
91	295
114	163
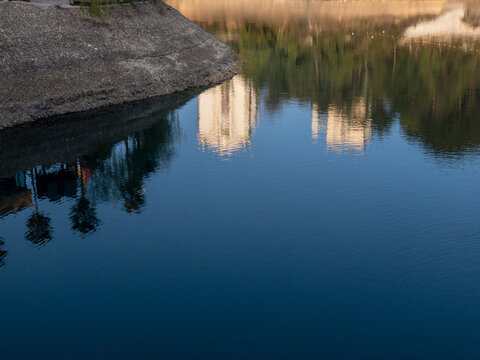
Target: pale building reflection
344	131
319	123
446	27
227	115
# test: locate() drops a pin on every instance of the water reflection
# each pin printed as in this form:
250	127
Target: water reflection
39	230
344	131
3	252
14	195
325	14
446	27
136	140
120	170
361	71
296	237
227	114
83	214
285	237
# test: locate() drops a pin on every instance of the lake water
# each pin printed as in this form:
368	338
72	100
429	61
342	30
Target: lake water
323	204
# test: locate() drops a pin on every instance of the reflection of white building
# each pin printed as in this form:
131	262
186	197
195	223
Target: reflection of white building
226	115
319	122
445	27
344	132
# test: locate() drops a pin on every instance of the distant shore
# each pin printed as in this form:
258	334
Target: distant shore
55	61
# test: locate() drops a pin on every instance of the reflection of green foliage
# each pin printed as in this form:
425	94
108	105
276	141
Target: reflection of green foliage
39	230
119	174
432	90
83	216
3	253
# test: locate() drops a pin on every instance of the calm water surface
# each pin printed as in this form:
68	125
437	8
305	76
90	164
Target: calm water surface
323	204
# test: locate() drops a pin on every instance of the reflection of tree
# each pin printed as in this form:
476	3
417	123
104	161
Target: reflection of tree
131	187
121	169
83	214
39	230
113	150
433	92
3	253
116	172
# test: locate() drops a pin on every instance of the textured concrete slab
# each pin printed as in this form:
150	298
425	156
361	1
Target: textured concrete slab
55	61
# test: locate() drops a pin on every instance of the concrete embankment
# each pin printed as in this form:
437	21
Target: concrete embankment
56	61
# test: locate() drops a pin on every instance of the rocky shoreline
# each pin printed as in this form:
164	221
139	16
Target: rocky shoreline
55	61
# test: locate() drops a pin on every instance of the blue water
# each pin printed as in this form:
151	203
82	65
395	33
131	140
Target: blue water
215	225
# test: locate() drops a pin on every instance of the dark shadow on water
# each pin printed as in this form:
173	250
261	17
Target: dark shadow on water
65	139
97	156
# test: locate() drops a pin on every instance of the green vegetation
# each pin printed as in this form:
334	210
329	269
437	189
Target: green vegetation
100	9
97	8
